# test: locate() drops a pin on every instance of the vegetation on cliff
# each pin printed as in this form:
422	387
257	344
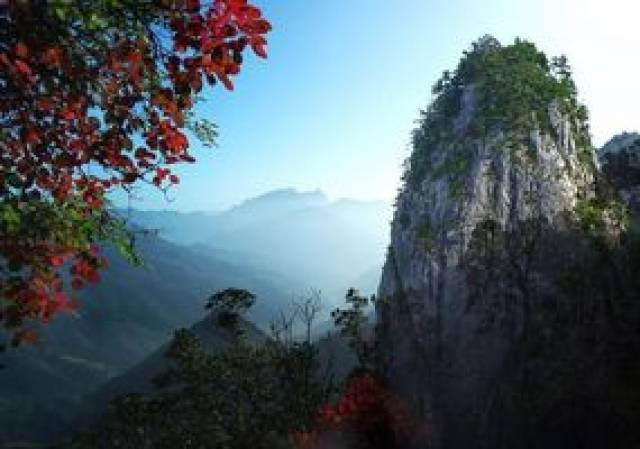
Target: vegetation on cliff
513	314
512	88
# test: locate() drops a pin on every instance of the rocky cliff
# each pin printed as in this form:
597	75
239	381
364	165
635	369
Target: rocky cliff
501	157
619	161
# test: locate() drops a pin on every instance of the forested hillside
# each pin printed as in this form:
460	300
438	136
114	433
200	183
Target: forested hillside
128	315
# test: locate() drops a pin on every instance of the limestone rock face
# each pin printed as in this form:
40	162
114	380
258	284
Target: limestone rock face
435	353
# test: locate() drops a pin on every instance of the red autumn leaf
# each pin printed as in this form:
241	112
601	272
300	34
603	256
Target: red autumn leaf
92	276
67	114
193	5
226	81
206	60
21	50
31	136
259	50
22	68
261	26
45	104
252	12
77	283
51	57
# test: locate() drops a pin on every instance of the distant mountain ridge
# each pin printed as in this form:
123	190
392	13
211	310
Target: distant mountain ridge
312	241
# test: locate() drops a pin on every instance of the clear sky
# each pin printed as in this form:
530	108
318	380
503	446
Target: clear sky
333	106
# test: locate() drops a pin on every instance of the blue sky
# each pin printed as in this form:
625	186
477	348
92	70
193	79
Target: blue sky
333	106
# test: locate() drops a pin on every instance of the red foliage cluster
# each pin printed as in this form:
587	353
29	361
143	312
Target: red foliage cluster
52	135
41	295
365	404
80	118
366	414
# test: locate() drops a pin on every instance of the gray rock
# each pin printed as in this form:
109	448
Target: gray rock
434	356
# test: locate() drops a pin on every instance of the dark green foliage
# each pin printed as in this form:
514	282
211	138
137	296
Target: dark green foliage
566	298
246	396
597	217
230	303
426	236
231	299
513	87
355	327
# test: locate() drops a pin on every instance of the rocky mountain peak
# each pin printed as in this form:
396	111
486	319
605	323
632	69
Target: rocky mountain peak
480	154
503	144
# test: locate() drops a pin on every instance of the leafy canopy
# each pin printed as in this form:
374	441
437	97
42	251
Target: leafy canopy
97	96
513	88
240	393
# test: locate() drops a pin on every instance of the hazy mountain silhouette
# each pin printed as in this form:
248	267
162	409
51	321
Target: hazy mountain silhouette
313	242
